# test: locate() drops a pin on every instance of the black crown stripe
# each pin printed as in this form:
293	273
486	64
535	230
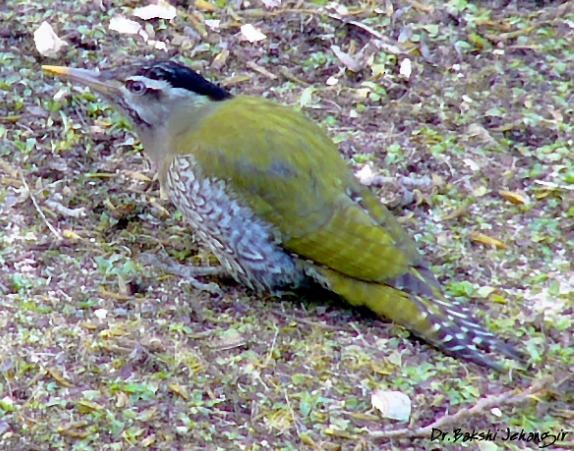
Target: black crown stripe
180	76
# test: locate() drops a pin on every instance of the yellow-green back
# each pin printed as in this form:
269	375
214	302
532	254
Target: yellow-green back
291	174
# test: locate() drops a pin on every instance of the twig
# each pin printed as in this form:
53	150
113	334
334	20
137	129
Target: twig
257	68
39	210
292	412
65	211
554	185
291	77
506	399
273	343
381	41
510	35
419	6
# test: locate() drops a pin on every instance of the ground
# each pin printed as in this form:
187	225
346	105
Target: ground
458	113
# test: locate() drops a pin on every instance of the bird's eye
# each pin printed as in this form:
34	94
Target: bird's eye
136	87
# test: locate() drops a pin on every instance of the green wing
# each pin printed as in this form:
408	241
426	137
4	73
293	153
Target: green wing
291	174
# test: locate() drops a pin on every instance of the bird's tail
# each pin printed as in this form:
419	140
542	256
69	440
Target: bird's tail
447	325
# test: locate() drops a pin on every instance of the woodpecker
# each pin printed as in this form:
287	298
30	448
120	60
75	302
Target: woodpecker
267	191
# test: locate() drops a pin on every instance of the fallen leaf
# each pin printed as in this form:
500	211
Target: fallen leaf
89	325
348	61
366	174
220	60
74	430
496	412
547	303
514	197
473	165
160	10
271	3
85	406
212	24
148	441
124	26
485	292
230	339
481	238
342	10
406	68
158	45
281	419
306	98
203	5
480	134
252	34
179	390
332	81
392	404
122	399
47	41
101	313
70	234
57	376
138	176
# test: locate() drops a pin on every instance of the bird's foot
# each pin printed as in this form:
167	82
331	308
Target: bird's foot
189	273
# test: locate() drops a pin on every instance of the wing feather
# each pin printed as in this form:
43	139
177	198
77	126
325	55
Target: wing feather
292	175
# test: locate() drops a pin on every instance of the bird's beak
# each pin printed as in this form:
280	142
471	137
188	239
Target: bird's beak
92	79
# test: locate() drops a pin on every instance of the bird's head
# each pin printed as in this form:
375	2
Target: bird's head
151	94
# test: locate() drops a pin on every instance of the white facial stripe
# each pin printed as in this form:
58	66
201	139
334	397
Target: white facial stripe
158	85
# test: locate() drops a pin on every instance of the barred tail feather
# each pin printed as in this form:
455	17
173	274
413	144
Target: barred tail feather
456	331
449	326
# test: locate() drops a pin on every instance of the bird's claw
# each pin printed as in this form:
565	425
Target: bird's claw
188	273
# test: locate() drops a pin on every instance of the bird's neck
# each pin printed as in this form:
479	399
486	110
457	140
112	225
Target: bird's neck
161	142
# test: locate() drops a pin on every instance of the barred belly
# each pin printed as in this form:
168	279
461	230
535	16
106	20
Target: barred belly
248	247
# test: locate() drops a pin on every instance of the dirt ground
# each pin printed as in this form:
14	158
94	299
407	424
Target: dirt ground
460	116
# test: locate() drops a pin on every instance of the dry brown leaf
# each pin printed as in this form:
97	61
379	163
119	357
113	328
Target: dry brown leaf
47	41
212	24
366	174
481	238
57	376
332	81
74	430
148	441
406	68
220	60
348	61
71	235
252	34
480	134
161	209
179	390
89	325
124	25
160	10
392	404
85	406
514	197
138	176
9	169
271	3
203	5
122	399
